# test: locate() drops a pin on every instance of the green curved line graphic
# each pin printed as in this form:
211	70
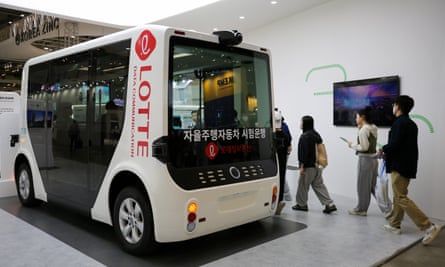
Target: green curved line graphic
327	67
323	68
425	120
323	93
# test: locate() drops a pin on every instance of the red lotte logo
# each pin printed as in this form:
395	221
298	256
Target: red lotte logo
145	44
141	96
212	150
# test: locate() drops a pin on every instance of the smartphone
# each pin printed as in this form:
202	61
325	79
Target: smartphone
344	139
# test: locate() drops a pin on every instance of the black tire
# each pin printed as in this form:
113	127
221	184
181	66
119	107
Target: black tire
25	186
133	222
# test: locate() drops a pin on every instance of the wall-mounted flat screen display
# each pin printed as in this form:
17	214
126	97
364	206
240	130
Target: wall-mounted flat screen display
377	93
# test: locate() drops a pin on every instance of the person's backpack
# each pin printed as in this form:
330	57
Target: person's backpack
321	155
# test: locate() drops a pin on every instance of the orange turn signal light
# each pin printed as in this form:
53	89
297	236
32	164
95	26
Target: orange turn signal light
192	207
275	190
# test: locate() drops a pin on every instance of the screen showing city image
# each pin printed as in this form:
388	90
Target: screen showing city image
377	93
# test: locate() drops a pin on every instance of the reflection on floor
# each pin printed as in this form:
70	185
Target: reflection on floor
51	236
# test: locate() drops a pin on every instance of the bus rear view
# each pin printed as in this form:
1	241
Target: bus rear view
167	135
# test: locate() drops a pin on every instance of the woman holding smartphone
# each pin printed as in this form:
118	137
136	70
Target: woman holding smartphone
365	148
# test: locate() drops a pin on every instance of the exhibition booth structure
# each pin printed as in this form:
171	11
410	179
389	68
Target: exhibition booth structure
9	117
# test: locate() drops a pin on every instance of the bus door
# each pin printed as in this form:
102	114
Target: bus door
57	90
85	94
39	123
107	76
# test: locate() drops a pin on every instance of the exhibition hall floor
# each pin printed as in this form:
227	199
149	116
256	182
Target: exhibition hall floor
53	236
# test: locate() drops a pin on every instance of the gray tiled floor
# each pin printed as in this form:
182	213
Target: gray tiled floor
329	240
24	245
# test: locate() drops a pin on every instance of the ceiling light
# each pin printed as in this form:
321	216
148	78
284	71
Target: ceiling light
273	2
242	17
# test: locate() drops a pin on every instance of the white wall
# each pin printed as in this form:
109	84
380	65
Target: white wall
368	38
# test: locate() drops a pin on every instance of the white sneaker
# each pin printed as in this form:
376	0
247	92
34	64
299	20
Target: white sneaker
388	215
392	229
430	234
280	207
358	213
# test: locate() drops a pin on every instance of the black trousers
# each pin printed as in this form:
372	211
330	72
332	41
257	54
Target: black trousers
282	165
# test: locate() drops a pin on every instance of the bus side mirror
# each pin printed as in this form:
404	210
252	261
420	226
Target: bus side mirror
160	149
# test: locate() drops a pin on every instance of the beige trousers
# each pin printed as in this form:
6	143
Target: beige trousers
403	204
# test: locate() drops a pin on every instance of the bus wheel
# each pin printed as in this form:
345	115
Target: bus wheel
24	184
133	222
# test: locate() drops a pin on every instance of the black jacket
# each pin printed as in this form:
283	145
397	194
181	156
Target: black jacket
282	142
306	148
402	151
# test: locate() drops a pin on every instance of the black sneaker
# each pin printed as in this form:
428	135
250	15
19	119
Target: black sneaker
298	207
329	208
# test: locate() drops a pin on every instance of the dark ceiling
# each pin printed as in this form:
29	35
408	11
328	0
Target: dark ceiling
8	16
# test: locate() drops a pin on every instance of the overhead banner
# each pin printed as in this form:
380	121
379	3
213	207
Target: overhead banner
33	26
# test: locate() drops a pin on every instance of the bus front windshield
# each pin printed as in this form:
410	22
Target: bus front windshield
219	104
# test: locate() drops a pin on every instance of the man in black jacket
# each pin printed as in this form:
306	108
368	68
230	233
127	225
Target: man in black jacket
401	155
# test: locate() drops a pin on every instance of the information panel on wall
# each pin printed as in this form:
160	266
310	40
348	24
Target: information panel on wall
9	117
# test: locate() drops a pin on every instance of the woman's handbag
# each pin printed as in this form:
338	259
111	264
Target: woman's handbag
321	155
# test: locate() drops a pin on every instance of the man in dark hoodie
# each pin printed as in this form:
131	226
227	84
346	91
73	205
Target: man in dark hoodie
310	173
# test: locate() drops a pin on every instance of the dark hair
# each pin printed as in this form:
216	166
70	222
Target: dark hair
307	123
405	103
366	113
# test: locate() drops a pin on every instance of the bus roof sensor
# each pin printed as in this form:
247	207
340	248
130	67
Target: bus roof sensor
229	38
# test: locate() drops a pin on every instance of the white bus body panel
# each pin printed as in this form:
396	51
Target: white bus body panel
25	146
122	161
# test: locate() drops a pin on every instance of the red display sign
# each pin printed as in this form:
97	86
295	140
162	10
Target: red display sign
212	150
235	149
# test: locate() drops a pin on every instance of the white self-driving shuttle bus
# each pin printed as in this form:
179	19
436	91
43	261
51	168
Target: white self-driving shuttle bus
164	134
